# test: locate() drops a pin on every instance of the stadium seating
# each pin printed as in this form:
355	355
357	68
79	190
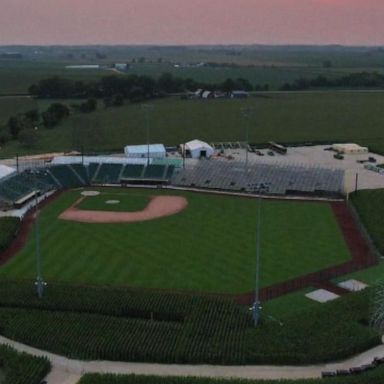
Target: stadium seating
170	171
81	172
66	176
277	179
108	174
19	185
92	169
132	171
154	172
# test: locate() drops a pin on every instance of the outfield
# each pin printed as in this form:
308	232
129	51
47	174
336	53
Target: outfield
208	247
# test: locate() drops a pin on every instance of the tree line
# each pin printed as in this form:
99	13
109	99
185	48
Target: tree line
135	88
352	80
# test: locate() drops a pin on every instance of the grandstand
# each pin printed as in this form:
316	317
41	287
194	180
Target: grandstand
277	179
272	179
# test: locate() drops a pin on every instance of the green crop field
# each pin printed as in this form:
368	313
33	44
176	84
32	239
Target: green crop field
288	118
210	246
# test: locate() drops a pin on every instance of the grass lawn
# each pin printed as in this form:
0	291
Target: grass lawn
281	117
210	246
126	202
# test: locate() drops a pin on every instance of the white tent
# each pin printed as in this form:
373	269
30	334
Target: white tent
197	149
156	151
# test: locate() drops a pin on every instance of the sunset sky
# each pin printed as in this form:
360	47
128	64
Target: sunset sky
352	22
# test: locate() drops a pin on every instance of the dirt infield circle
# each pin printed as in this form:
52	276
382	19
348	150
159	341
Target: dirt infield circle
159	206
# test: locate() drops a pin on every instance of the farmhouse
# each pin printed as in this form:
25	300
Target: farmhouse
349	149
196	149
143	151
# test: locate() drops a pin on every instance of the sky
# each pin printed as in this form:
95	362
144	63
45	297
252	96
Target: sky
167	22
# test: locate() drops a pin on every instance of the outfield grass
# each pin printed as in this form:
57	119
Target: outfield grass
126	202
210	246
281	117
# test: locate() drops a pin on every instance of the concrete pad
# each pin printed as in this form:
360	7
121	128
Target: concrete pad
352	285
322	295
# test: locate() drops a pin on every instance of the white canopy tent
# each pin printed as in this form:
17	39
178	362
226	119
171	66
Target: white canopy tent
196	149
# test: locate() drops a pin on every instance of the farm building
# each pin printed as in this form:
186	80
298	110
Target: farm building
197	149
143	151
121	66
239	95
349	149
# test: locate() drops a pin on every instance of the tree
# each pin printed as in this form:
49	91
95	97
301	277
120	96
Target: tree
33	115
28	138
15	125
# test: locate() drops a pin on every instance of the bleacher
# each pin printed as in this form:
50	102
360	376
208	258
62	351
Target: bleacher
132	171
65	176
108	174
18	188
275	179
154	172
81	171
92	169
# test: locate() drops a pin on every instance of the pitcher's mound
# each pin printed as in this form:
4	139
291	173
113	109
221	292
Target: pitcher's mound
90	193
159	206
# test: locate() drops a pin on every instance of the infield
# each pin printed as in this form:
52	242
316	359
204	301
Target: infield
209	247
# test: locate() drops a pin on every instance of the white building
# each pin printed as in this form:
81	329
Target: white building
156	151
349	149
197	149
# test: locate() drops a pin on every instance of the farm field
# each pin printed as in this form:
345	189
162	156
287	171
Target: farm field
373	377
111	323
288	118
208	247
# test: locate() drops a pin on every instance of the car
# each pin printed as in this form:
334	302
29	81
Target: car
338	156
271	153
371	159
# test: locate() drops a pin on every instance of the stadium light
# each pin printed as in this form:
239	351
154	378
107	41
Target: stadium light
246	112
40	284
256	307
147	108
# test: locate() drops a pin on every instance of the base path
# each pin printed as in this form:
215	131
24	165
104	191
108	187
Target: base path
159	206
69	371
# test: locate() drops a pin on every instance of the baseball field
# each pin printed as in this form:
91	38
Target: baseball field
206	245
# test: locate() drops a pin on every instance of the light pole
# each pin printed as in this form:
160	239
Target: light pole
246	112
256	307
147	108
40	284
